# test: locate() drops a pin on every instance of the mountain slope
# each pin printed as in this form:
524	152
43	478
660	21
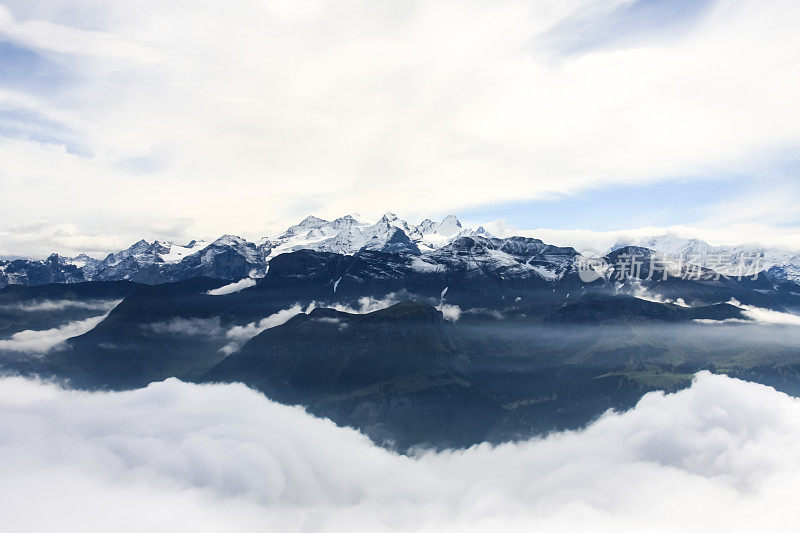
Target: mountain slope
391	373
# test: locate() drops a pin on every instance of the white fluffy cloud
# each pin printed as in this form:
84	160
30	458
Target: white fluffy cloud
767	316
451	312
202	113
720	456
42	341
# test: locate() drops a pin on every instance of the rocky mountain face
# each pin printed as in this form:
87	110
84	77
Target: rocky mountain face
30	272
228	257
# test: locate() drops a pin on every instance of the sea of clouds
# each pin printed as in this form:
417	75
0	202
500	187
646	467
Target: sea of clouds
719	456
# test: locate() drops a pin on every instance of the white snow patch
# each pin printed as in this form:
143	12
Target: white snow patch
420	265
177	253
546	273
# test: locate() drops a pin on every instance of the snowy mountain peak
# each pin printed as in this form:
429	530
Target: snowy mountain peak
347	221
302	229
229	240
449	226
139	247
312	222
427	226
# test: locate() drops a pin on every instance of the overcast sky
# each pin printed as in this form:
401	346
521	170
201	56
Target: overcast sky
193	118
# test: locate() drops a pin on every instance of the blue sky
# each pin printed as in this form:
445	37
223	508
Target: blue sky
126	120
23	68
613	208
628	24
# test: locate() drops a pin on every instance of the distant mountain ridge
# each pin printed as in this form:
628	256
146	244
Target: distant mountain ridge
232	257
781	264
431	242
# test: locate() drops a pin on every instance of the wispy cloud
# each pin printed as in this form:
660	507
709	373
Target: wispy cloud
207	327
236	286
42	341
239	335
60	305
54	37
366	304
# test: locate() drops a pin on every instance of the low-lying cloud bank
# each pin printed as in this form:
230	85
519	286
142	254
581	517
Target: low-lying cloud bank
42	341
719	456
767	316
239	335
758	315
236	286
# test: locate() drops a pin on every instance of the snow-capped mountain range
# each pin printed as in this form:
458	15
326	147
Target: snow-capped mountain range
726	259
431	244
231	257
349	234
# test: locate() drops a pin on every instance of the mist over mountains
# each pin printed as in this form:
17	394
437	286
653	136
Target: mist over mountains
433	335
